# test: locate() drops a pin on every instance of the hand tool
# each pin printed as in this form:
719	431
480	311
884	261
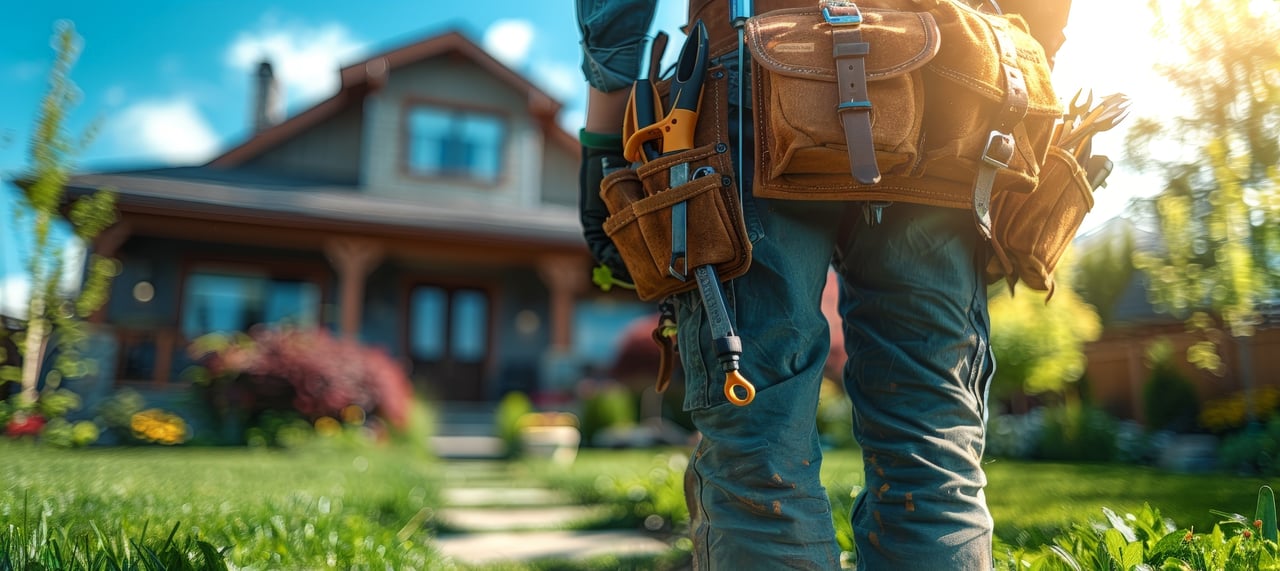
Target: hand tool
675	131
1097	168
644	106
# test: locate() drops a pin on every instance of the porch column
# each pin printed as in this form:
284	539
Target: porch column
107	244
565	278
353	259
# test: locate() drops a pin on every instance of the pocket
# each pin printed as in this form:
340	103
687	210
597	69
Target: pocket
965	88
1032	230
702	215
803	144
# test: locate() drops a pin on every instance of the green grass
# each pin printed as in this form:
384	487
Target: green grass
322	507
1029	501
352	508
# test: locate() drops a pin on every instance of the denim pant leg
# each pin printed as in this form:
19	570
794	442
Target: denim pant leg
758	500
916	328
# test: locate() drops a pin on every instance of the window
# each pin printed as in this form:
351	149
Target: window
448	324
217	302
458	143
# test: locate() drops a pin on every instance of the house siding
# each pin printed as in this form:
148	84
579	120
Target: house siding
450	80
330	149
560	177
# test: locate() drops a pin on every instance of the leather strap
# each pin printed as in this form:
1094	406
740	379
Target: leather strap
854	109
1000	144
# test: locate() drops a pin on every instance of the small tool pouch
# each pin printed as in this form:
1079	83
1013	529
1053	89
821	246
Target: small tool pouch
1030	231
662	232
897	100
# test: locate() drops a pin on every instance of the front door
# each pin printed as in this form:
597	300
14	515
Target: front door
449	340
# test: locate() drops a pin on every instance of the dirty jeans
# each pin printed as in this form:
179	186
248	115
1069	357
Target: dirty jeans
914	308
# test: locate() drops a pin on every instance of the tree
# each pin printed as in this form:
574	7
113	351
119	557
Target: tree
1219	209
54	316
1039	343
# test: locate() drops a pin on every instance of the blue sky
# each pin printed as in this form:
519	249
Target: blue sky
168	81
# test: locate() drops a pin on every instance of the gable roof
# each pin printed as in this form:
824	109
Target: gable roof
365	77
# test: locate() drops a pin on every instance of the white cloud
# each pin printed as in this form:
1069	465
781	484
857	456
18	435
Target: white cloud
509	41
13	295
564	82
306	60
171	130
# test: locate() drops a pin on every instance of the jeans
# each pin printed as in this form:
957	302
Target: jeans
914	308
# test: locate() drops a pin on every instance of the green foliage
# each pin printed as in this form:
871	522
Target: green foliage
1218	212
642	488
1077	432
1254	450
1169	399
1147	541
1040	342
835	415
611	406
506	418
52	314
307	508
55	548
1104	271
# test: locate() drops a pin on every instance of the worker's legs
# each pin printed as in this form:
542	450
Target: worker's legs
916	328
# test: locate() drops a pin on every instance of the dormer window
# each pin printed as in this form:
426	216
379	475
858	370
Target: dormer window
455	142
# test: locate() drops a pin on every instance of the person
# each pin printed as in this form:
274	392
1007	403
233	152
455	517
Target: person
913	300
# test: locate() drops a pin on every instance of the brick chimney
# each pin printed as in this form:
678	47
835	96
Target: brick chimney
267	107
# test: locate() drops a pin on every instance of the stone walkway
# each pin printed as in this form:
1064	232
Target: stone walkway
492	522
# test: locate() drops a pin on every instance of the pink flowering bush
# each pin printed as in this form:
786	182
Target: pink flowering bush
310	372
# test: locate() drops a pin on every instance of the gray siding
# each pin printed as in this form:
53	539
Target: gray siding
450	80
330	149
560	177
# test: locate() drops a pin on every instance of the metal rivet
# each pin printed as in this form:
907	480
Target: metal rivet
721	147
725	181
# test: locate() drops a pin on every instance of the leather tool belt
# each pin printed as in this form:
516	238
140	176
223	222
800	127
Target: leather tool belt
923	101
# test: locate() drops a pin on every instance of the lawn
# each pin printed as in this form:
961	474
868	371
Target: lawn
1029	501
322	507
351	508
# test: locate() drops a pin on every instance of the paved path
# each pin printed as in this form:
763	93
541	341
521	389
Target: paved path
492	522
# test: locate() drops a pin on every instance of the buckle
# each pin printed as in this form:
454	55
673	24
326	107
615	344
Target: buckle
999	150
853	19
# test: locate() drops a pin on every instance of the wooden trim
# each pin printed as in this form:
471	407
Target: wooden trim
404	139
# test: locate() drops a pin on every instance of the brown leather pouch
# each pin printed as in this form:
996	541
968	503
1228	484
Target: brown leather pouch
802	140
935	84
1032	230
646	211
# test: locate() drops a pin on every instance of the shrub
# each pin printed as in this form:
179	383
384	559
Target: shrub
1169	400
1232	412
309	372
1253	450
1077	433
611	406
513	406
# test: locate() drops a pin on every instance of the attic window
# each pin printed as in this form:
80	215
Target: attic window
455	143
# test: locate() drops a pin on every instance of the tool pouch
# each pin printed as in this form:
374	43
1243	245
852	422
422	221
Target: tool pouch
1032	230
934	81
645	211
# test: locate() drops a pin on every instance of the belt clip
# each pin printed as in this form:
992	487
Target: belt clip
845	19
999	150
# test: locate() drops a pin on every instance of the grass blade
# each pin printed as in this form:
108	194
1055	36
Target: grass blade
1267	512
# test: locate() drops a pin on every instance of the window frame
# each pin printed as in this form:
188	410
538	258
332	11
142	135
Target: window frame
409	104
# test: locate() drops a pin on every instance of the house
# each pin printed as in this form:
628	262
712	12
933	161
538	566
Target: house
428	208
